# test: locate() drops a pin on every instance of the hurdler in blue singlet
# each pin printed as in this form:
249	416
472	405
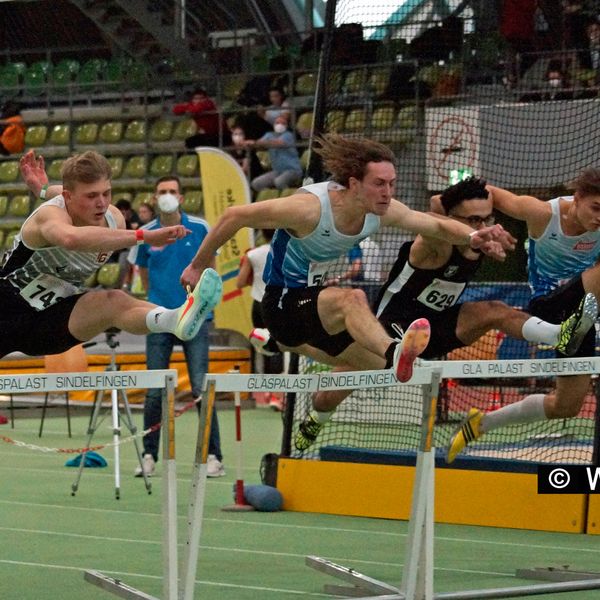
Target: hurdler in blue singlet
555	258
302	262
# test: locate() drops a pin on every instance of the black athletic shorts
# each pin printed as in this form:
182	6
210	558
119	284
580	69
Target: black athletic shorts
292	319
443	329
30	331
558	305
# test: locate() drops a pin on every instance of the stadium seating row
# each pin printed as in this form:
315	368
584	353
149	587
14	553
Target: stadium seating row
132	167
110	132
69	74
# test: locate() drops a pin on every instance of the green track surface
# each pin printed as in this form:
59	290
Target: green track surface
48	538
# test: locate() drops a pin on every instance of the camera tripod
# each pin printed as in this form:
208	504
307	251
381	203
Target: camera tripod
120	411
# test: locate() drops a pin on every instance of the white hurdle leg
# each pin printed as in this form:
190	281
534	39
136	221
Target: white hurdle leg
114	405
417	578
197	494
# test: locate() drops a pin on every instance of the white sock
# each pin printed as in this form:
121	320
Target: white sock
161	320
321	416
540	332
528	410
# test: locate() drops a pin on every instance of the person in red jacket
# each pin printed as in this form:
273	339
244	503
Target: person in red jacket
212	128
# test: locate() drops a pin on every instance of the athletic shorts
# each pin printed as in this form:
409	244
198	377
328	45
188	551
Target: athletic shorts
292	319
34	332
558	305
443	329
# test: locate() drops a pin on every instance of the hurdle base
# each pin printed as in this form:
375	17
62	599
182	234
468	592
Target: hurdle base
238	508
378	590
115	586
556	574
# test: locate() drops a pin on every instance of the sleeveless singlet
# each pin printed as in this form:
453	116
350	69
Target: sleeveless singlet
302	262
555	257
43	276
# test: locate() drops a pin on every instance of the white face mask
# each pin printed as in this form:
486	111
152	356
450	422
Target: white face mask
237	138
279	127
168	203
554	83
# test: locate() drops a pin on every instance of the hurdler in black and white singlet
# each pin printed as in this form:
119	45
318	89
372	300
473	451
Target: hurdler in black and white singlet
43	276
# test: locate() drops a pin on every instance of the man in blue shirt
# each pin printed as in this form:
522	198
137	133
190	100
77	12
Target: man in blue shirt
285	162
160	269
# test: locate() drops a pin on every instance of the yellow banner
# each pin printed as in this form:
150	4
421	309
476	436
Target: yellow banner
224	184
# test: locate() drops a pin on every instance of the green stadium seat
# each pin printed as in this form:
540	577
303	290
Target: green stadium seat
407	117
35	136
304	157
161	130
108	275
233	85
184	129
117	71
86	133
135	131
9	171
267	194
64	74
383	117
138	75
378	81
20	206
356	121
116	165
111	132
264	159
91	74
356	81
142	197
35	79
334	121
116	196
288	192
60	134
161	165
53	169
136	167
192	202
11	75
10	238
1	238
187	165
304	124
306	84
3	205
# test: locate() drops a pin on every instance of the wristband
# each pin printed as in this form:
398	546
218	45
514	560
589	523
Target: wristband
43	191
139	236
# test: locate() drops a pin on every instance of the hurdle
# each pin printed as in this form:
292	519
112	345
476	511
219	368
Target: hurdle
417	577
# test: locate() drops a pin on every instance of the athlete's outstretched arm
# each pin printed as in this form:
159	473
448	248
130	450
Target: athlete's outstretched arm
493	241
298	213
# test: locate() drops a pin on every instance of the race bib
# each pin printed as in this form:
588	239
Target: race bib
46	290
440	294
317	273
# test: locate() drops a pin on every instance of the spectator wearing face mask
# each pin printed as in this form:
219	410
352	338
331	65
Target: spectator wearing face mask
245	157
160	269
283	154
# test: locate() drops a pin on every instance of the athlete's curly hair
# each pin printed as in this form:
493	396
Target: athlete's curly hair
467	189
345	157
